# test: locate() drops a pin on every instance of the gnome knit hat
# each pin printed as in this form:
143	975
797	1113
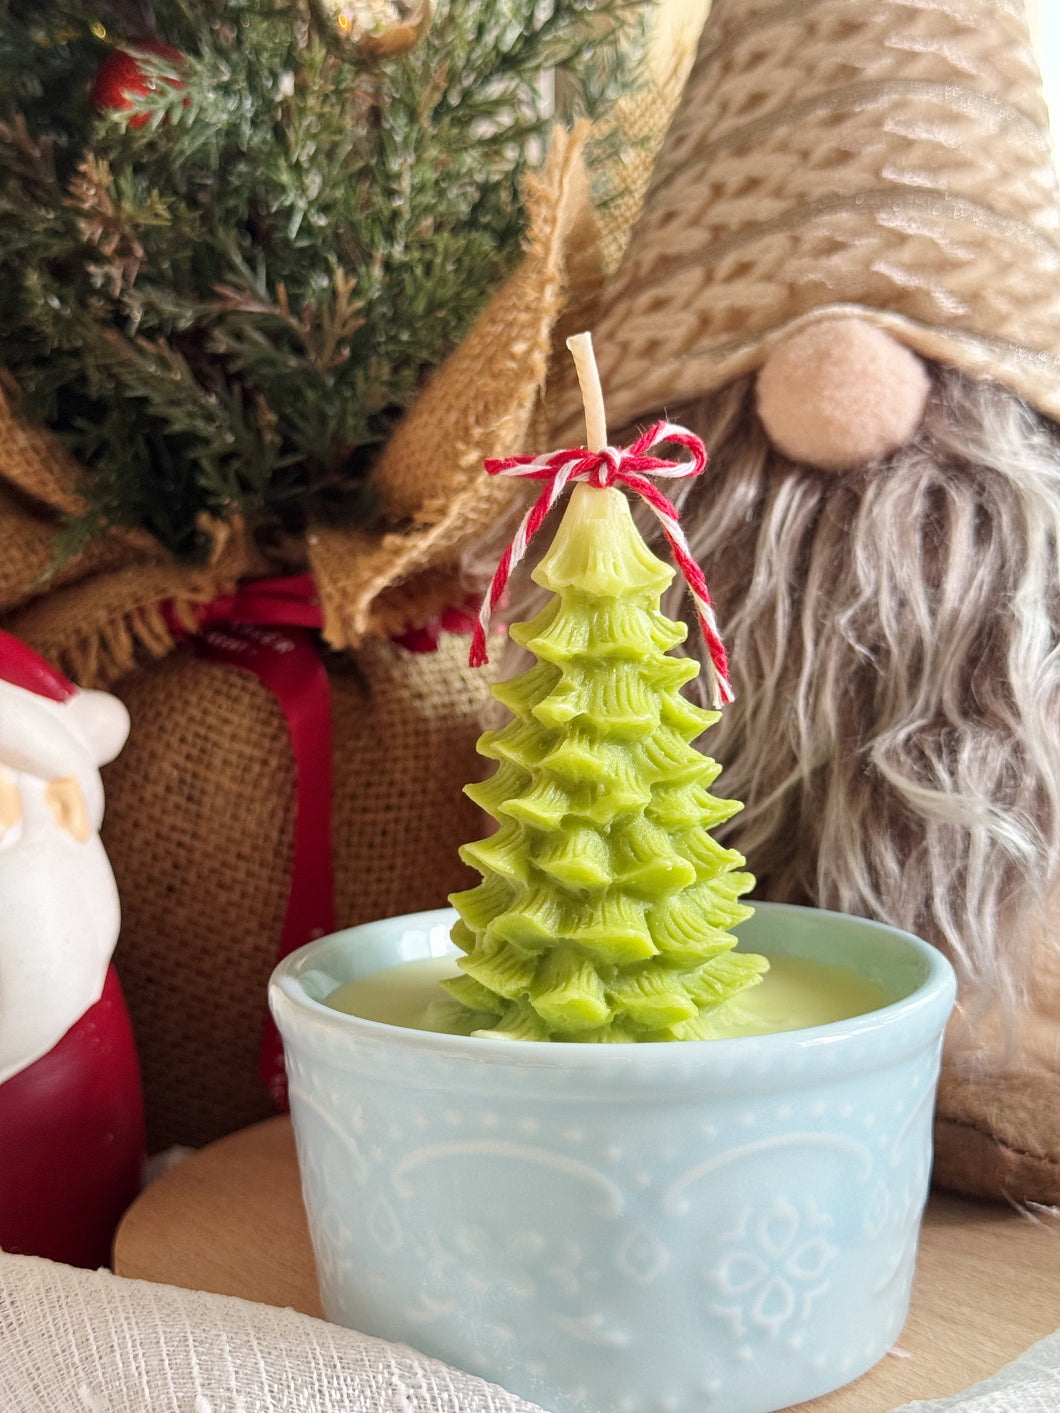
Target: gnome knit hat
881	161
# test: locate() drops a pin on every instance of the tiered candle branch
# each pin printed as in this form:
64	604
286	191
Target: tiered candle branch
605	906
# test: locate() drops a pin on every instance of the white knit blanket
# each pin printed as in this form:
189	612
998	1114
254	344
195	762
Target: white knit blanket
75	1341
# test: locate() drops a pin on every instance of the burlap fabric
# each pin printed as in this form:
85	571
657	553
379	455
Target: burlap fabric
199	827
836	158
200	805
200	818
489	399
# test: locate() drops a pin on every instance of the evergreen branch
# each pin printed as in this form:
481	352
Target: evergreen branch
323	330
29	160
227	308
105	225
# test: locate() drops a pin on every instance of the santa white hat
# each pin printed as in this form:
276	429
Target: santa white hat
51	728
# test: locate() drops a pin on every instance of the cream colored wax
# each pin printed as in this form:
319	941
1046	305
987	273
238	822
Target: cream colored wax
793	994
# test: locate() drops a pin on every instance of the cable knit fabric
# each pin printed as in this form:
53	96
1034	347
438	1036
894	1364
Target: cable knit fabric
882	159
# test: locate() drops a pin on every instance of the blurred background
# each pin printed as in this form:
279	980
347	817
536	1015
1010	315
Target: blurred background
1045	20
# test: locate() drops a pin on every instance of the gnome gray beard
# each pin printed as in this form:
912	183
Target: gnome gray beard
894	637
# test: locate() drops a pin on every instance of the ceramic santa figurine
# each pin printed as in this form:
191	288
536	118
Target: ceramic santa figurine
846	279
71	1114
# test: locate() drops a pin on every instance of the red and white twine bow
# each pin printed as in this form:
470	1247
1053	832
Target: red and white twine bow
612	466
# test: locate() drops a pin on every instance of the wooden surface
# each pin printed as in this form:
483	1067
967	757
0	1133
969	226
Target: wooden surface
230	1219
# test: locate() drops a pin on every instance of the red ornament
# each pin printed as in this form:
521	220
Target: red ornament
121	75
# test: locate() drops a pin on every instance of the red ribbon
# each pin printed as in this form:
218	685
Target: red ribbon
608	467
264	628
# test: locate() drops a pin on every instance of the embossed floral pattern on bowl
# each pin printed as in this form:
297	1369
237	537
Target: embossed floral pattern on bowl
720	1226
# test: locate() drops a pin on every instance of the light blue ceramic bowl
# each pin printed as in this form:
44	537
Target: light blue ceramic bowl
719	1226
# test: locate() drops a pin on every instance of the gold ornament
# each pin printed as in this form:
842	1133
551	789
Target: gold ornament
381	28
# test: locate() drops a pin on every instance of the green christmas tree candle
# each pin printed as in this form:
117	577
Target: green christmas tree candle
605	906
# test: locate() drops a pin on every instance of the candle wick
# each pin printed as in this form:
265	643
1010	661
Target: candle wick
581	347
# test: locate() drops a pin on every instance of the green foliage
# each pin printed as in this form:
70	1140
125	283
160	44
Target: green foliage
605	903
226	308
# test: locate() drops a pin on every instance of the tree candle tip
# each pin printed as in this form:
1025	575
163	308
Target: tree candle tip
581	348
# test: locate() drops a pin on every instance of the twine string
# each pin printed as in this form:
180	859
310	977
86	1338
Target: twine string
630	467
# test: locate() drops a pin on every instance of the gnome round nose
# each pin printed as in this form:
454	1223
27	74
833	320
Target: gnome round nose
841	393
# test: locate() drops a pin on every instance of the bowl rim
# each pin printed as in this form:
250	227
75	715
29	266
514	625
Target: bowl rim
920	1014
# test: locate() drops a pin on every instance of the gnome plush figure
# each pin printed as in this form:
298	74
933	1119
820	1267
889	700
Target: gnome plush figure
71	1117
846	279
